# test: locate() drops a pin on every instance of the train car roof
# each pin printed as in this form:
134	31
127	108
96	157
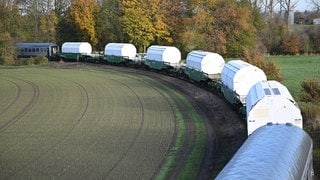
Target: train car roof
204	61
121	49
240	76
271	152
264	89
168	54
35	44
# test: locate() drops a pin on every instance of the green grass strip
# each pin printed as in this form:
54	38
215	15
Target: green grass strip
172	157
194	160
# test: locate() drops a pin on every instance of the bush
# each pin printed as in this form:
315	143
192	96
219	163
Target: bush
6	60
311	116
26	61
310	94
270	68
41	60
290	45
38	60
310	91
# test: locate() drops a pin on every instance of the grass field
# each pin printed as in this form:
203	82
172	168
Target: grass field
81	122
295	69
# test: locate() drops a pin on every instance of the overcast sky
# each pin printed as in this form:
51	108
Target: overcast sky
303	5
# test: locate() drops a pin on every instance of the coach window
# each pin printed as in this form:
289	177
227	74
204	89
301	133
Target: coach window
54	49
37	49
29	50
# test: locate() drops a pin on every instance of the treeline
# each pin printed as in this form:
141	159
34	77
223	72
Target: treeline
233	28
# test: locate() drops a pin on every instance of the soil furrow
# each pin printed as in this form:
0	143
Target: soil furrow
18	87
26	108
138	133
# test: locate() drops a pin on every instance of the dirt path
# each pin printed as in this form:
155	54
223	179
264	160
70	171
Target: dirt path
226	129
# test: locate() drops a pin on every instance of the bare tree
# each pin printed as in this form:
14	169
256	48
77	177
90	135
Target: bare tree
7	3
255	4
315	4
269	6
288	6
61	6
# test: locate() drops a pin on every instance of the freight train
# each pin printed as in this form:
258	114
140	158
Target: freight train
243	85
273	151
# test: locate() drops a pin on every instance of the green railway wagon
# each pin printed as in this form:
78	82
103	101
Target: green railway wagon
230	95
116	59
159	65
196	75
119	53
75	51
162	57
75	57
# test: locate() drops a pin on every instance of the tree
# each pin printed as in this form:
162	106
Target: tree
82	15
288	6
108	26
48	26
315	4
9	28
7	49
200	30
174	13
143	22
235	21
269	6
314	39
256	57
61	7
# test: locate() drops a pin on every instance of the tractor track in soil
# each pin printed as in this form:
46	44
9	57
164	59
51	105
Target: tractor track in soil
138	133
18	87
33	100
225	128
65	136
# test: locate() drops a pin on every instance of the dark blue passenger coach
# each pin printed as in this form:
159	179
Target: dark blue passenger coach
37	49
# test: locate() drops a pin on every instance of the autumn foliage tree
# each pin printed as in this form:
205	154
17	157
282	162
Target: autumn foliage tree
234	20
48	26
199	28
174	14
256	57
9	28
143	22
82	15
108	23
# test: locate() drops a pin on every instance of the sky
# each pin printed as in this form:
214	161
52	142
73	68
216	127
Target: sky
303	5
